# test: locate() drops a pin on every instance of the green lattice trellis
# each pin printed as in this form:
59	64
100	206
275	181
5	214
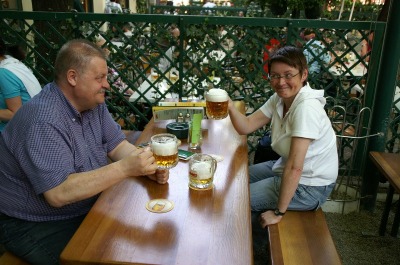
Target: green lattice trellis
240	70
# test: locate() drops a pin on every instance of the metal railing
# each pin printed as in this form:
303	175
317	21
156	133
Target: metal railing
197	10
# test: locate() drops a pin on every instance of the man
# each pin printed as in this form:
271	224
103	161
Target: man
54	157
315	52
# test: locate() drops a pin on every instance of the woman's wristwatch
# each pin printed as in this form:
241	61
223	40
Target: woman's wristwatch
278	213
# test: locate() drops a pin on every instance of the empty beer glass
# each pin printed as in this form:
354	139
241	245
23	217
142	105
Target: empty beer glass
201	171
216	103
165	150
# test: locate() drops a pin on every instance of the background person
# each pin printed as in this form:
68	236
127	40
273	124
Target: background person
17	82
112	7
113	74
315	52
170	48
208	5
366	46
78	6
17	52
227	43
55	155
127	29
301	132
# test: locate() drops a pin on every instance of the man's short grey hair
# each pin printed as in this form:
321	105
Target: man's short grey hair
76	54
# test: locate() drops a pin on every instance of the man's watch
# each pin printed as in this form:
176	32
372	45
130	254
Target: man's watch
278	213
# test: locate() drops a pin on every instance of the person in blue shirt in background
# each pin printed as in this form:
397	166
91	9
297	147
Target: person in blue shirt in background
17	82
315	52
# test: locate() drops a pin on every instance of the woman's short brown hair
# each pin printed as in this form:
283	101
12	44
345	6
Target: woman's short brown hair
291	56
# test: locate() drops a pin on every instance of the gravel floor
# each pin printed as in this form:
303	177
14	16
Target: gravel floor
357	241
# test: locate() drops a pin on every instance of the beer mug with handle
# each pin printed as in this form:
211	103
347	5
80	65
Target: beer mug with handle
165	150
201	171
216	103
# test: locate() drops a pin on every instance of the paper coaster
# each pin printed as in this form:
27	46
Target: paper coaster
159	205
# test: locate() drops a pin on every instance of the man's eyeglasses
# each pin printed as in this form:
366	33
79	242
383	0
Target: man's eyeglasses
287	77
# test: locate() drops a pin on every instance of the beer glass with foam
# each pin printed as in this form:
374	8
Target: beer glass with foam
201	171
165	150
217	104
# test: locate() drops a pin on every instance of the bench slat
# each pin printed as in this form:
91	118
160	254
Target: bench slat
302	238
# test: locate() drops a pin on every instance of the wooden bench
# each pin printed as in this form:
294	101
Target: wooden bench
10	259
302	238
388	165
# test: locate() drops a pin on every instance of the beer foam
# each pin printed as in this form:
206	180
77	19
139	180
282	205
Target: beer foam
216	95
202	169
165	148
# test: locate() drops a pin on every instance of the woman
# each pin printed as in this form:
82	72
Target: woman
302	135
17	84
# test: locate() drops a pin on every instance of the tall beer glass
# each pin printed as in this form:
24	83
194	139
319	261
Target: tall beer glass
217	104
165	150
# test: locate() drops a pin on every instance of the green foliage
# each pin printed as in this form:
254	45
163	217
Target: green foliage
141	6
301	4
254	10
296	4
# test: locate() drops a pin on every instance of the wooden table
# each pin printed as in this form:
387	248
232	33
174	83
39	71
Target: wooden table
204	227
388	165
339	70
